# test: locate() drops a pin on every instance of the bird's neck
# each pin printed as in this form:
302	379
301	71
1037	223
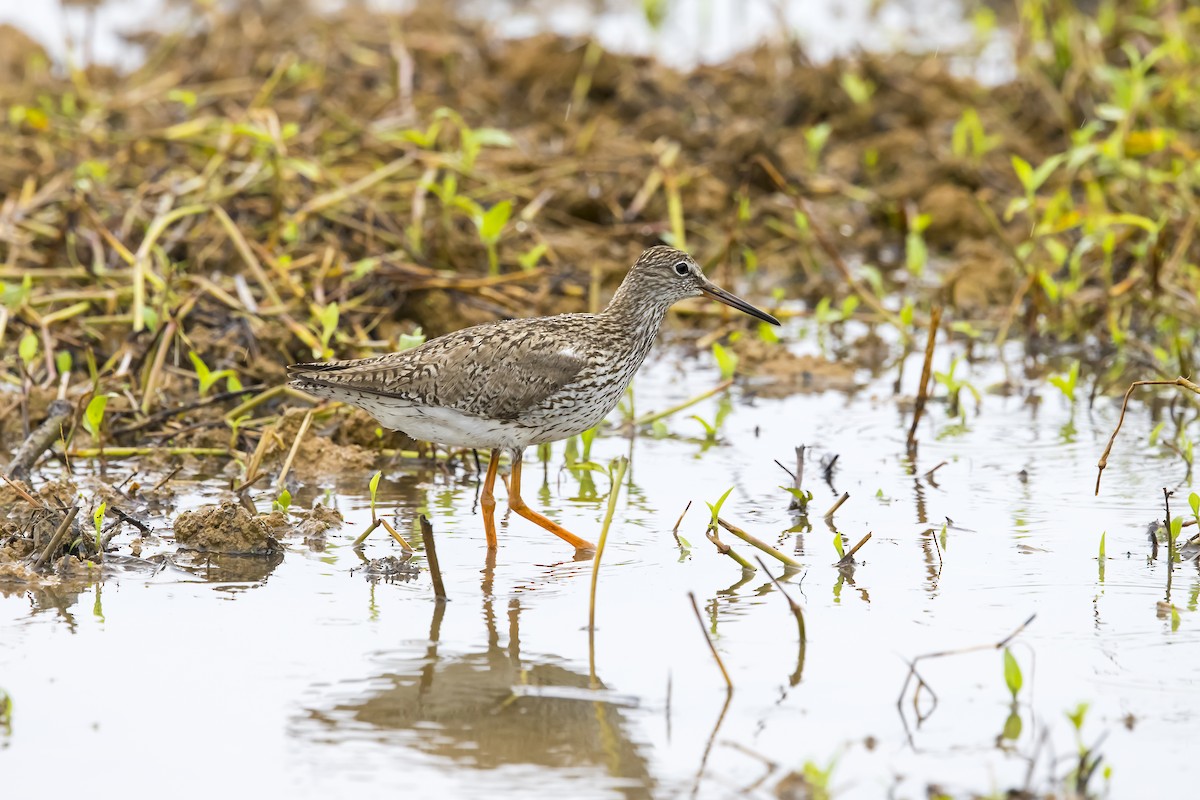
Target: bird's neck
636	310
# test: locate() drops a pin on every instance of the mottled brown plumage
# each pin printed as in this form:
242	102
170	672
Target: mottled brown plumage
520	382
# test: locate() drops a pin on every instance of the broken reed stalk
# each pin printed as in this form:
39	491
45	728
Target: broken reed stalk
395	534
56	539
362	537
1103	462
849	557
657	415
40	440
712	648
784	558
726	550
287	464
845	496
435	571
935	317
618	476
126	452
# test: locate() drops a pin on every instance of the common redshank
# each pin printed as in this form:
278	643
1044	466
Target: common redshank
514	383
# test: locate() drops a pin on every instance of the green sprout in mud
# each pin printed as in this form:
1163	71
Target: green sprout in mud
98	523
916	252
530	258
28	349
1067	383
839	545
954	387
373	486
968	139
715	508
284	502
93	416
727	360
815	139
207	377
327	321
859	89
1012	674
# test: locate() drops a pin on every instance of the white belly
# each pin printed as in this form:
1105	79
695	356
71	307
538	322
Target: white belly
447	426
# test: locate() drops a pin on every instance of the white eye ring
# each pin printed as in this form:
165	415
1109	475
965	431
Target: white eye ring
682	268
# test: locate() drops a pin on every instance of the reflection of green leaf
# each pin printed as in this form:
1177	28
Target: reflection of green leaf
1012	673
1012	725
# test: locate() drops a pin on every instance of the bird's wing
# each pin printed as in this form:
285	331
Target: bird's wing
499	370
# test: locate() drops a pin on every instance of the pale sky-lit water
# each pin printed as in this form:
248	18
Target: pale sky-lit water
694	31
316	683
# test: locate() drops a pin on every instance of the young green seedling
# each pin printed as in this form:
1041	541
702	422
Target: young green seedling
1067	383
374	487
727	361
93	416
283	502
207	378
1012	674
98	522
28	349
327	318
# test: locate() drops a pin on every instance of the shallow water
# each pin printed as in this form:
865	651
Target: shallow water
693	32
315	682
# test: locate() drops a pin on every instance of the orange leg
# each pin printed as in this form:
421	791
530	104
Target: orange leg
487	500
518	505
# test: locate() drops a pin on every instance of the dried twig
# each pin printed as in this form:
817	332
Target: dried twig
1103	462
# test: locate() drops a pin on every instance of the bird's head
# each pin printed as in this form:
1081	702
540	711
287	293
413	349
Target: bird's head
673	275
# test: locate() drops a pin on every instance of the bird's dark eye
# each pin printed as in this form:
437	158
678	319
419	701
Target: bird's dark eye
682	268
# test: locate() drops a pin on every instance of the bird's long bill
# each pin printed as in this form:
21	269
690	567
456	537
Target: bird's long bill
732	300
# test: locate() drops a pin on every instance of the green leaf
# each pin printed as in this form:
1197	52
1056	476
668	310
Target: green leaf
491	223
407	341
1024	173
1077	716
93	415
727	360
715	508
28	348
63	361
530	258
374	487
203	373
1194	502
98	518
284	502
1174	618
710	432
1102	535
328	318
1012	673
837	543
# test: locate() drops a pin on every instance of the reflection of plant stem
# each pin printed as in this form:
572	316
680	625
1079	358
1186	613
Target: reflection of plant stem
712	647
618	475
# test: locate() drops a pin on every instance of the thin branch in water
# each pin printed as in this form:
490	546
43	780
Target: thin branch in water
1103	462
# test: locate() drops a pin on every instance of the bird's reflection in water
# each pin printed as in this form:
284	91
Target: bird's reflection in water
491	708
